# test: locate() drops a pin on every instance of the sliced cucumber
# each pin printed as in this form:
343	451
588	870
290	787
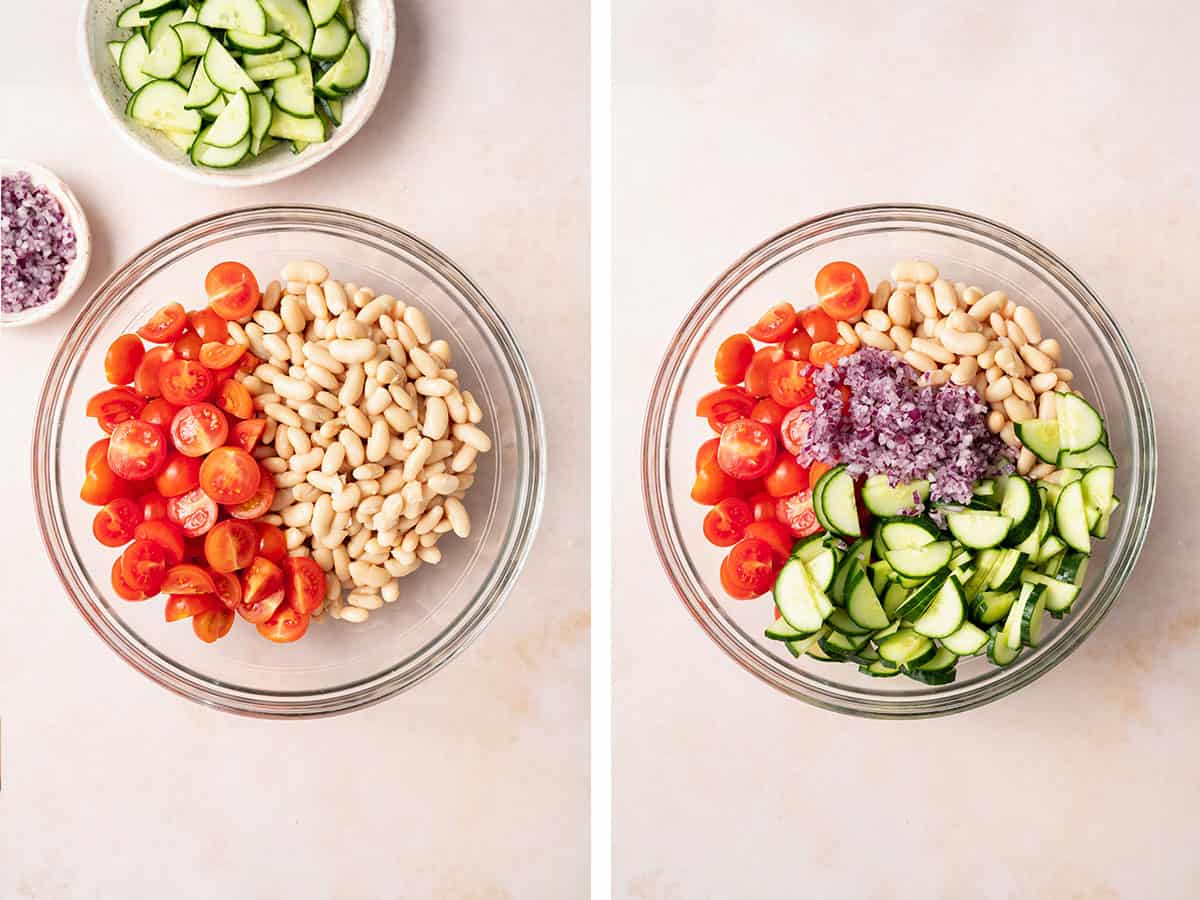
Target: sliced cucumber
1041	436
288	51
292	18
202	92
232	124
1033	614
1098	488
166	57
260	121
979	530
1073	568
1060	596
884	500
193	37
945	614
204	154
933	676
1100	529
800	646
1022	503
114	50
992	606
839	620
906	646
1079	425
880	668
330	40
148	8
998	650
821	568
130	17
160	104
942	661
346	13
920	562
236	15
1051	547
966	641
921	598
834	504
184	76
1006	574
1070	518
810	547
282	69
181	139
1012	622
215	108
163	23
903	533
862	604
780	630
334	108
223	70
254	43
893	599
321	11
294	94
859	553
1097	455
133	58
348	72
801	603
291	128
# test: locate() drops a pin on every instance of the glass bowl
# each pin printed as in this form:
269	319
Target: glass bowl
966	248
337	666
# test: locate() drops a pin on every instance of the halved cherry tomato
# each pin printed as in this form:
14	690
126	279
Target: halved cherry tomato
187	346
113	406
184	381
230	475
796	512
153	505
816	470
842	290
248	363
747	449
733	356
188	579
304	584
776	324
212	625
271	542
823	353
145	379
793	429
776	535
760	365
230	545
233	398
723	406
232	290
144	566
159	412
789	383
124	589
229	588
285	625
220	376
217	355
180	475
165	325
797	346
818	324
115	522
137	450
246	434
166	535
762	505
726	522
101	484
769	412
259	502
195	512
749	569
707	453
121	360
208	325
786	477
712	485
184	606
262	590
199	428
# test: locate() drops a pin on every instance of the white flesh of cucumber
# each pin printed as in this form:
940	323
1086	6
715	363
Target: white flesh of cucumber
1070	518
202	92
133	58
1041	437
920	562
288	51
800	601
292	128
945	613
838	505
1098	488
331	40
159	104
239	15
968	640
204	154
131	18
863	605
161	24
1079	426
321	11
901	534
166	57
821	568
292	18
978	530
193	37
1097	455
884	500
114	50
282	69
255	43
348	72
232	124
223	70
294	94
903	646
260	121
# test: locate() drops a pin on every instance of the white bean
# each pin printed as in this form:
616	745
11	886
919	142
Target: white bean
377	443
460	521
944	297
915	270
352	351
476	437
415	319
925	302
305	270
899	308
983	308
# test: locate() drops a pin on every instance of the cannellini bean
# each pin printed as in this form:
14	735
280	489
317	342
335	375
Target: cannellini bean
415	319
1064	375
994	374
998	324
960	321
427	365
1050	347
470	434
879	299
430	518
304	270
319	354
298	515
419	456
474	412
987	358
291	315
923	297
901	336
323	482
1027	320
944	297
877	319
965	371
845	333
293	389
963	343
276	346
1022	389
1009	308
933	350
443	484
1016	334
437	419
368	575
1047	406
938	378
315	413
282	414
267	320
1009	435
376	307
377	443
1025	461
358	421
914	358
1018	410
1038	361
916	270
998	390
463	459
982	309
354	614
352	351
899	308
440	387
355	452
1007	360
995	421
364	598
270	298
457	515
876	339
431	555
306	462
970	295
1043	381
1041	470
335	297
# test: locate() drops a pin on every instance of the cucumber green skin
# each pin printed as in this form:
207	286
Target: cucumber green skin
1035	602
879	669
330	86
998	650
920	600
1019	531
932	677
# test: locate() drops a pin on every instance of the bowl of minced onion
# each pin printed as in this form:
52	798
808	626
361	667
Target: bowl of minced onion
45	243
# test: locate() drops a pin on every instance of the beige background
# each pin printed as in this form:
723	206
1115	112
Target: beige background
733	120
474	785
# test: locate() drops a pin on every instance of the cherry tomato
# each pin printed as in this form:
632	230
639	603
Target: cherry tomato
842	290
231	545
793	429
762	506
707	453
747	449
760	365
262	590
304	584
184	606
166	535
816	470
159	412
229	588
712	485
218	355
726	522
824	353
208	325
145	379
212	625
124	589
775	325
733	356
187	346
195	512
137	450
183	381
188	579
789	383
776	535
112	407
786	477
272	544
144	566
232	290
797	346
234	399
121	360
285	625
230	475
115	522
180	475
259	502
165	325
818	324
769	413
153	505
796	512
101	484
723	406
199	428
749	569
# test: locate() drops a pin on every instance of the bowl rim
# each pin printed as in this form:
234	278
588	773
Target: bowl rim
380	68
706	610
455	637
77	271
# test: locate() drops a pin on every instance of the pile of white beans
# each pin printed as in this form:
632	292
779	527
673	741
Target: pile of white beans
956	333
371	441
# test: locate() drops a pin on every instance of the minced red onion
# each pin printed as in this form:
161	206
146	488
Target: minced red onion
37	244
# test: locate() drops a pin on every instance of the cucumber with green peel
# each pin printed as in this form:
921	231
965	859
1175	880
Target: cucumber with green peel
321	11
921	598
160	105
801	646
945	614
839	620
181	139
246	16
815	651
334	108
1096	455
906	646
148	9
893	599
292	19
821	568
292	128
1079	425
780	630
1022	503
991	607
201	92
254	43
1041	437
833	499
204	154
881	499
131	17
162	23
863	605
225	72
214	109
1051	566
166	57
1097	487
260	121
1049	548
194	39
1073	568
920	562
1059	596
114	50
330	40
967	640
348	73
810	547
1070	518
1100	529
294	94
1006	573
903	533
979	530
232	124
800	601
285	68
288	50
932	677
859	553
346	13
1033	614
133	58
880	668
998	650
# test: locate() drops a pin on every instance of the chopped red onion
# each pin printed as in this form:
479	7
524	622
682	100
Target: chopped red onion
37	244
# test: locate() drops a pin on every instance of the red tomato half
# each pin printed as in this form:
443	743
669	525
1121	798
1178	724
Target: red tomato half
230	475
723	406
144	566
733	356
219	355
198	429
760	365
166	535
818	324
208	325
212	625
726	522
165	325
285	625
154	505
776	535
183	381
145	379
112	407
259	502
796	512
187	346
789	383
793	429
232	290
229	588
188	579
797	346
101	484
137	450
713	485
230	545
707	453
775	325
116	521
195	512
262	591
124	589
184	606
233	398
159	412
180	475
769	413
304	584
843	290
762	505
749	569
271	542
747	449
121	360
786	477
246	434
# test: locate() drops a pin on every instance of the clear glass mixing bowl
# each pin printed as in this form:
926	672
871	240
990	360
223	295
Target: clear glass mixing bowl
337	666
966	248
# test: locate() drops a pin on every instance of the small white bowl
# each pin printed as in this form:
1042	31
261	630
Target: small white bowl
374	20
77	270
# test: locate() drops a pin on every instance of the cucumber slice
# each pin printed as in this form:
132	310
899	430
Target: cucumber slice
1051	547
1098	455
945	614
133	57
193	37
288	51
294	94
1060	596
232	124
881	576
148	8
801	603
1005	575
166	57
1033	614
862	604
998	650
334	107
290	128
321	11
810	547
202	92
215	108
821	568
901	534
1070	518
1100	529
938	677
844	645
282	69
204	154
260	121
906	646
346	13
114	50
254	43
966	641
223	70
292	18
991	607
1041	436
839	620
920	562
186	73
330	40
160	104
182	139
1098	488
880	668
884	500
1079	425
979	530
833	502
800	646
162	23
894	598
942	661
130	17
859	553
1073	568
780	630
1022	503
348	72
1012	622
236	15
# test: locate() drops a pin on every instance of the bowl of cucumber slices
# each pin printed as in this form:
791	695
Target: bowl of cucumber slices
237	92
877	531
